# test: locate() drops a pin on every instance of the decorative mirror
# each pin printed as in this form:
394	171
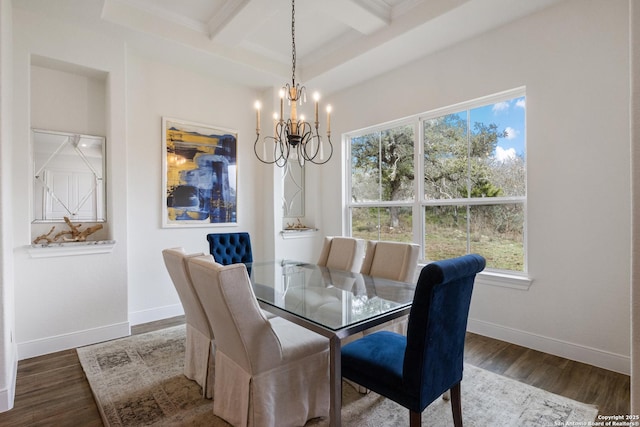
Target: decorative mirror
68	177
293	190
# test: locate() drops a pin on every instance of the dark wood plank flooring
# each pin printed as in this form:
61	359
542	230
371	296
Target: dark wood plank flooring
52	390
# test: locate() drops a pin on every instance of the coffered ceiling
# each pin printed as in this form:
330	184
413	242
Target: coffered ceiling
338	42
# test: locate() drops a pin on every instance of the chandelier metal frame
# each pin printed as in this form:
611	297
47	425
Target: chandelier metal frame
294	138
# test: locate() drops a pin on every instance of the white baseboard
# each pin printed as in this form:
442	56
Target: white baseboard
160	313
7	395
72	340
91	336
592	356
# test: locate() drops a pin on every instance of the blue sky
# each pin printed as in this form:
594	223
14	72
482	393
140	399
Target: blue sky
510	117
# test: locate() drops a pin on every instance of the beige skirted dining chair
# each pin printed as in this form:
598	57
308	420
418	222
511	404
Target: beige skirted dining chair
269	372
391	260
394	261
200	344
342	253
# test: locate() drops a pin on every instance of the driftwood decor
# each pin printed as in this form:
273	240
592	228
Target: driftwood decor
75	233
297	226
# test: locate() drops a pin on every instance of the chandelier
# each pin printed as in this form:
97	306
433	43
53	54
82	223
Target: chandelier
293	139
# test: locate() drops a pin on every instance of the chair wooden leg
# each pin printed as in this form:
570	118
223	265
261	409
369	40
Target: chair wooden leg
415	419
456	405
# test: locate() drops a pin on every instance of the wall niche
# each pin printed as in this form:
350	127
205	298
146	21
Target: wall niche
68	99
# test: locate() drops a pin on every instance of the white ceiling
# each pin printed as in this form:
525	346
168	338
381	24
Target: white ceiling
338	42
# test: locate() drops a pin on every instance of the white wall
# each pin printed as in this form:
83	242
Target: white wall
66	302
67	100
573	60
156	89
8	348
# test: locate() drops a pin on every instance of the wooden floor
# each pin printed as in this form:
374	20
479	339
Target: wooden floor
52	390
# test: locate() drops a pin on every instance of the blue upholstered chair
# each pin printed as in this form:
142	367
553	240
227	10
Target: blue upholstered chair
230	248
414	370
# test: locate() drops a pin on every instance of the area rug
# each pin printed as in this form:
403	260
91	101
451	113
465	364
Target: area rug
138	381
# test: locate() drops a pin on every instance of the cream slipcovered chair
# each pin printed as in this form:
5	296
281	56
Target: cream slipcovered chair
391	260
200	344
343	253
269	372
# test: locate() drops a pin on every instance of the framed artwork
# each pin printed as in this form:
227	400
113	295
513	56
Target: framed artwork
199	175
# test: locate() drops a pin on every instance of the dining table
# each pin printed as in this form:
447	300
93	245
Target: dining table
333	303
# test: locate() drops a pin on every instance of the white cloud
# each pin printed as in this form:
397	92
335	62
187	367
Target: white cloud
504	155
500	106
521	103
511	132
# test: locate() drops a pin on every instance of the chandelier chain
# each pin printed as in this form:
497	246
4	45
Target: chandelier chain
293	41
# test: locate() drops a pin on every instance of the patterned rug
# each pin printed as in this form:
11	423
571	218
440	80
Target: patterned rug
138	381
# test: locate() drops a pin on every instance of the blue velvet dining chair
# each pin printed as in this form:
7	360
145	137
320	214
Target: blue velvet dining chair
414	370
230	248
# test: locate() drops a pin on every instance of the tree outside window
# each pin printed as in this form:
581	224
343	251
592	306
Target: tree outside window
472	188
382	183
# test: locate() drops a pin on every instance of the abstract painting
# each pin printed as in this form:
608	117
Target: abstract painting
200	175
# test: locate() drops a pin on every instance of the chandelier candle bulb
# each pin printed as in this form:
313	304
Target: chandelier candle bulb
328	118
316	98
258	106
275	125
281	103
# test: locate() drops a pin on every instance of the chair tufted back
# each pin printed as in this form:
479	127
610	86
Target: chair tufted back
230	248
433	359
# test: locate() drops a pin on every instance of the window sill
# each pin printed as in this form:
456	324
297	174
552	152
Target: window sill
495	278
70	248
504	280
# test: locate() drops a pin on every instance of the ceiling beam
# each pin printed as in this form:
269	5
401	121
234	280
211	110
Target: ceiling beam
224	16
364	17
230	28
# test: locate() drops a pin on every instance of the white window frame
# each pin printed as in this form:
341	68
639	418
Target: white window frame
510	279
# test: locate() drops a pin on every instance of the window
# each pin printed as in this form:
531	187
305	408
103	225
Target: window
451	180
382	185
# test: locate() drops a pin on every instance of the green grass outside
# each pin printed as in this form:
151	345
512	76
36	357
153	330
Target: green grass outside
503	251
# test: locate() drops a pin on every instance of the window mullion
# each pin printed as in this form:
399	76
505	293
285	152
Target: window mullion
379	169
467	207
418	228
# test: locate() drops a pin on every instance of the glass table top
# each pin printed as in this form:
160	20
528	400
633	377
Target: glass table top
331	298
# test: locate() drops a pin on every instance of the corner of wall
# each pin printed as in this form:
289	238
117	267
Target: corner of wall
634	76
7	395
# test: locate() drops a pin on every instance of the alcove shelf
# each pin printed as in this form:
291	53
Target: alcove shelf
47	250
298	233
